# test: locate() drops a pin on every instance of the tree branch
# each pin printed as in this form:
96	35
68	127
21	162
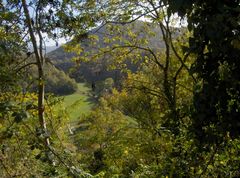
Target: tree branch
26	65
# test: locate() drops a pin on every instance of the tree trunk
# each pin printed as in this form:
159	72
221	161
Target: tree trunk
40	65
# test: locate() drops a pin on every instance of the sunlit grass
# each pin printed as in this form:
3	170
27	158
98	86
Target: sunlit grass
78	103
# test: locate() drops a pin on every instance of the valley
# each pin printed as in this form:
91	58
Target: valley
78	103
141	89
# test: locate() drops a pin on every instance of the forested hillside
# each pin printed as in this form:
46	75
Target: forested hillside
58	82
161	91
100	38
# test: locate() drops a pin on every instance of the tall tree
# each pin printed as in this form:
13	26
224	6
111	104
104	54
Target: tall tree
127	39
40	60
33	23
40	20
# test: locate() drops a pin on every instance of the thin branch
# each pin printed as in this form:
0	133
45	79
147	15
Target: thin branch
50	149
181	60
4	167
209	161
149	91
182	65
26	65
181	85
136	18
141	48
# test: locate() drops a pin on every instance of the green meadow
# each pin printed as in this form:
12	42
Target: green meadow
79	103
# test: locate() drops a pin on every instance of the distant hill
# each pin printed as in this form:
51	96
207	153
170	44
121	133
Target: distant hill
51	48
48	48
90	71
57	82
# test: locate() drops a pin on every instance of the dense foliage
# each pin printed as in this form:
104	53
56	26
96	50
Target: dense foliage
215	41
57	82
175	115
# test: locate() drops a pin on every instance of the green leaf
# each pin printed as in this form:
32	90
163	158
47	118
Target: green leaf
19	116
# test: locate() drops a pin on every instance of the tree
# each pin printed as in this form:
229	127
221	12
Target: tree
37	19
31	23
11	45
157	97
124	44
215	40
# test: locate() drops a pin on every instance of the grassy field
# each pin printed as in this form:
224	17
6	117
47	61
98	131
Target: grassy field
79	102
